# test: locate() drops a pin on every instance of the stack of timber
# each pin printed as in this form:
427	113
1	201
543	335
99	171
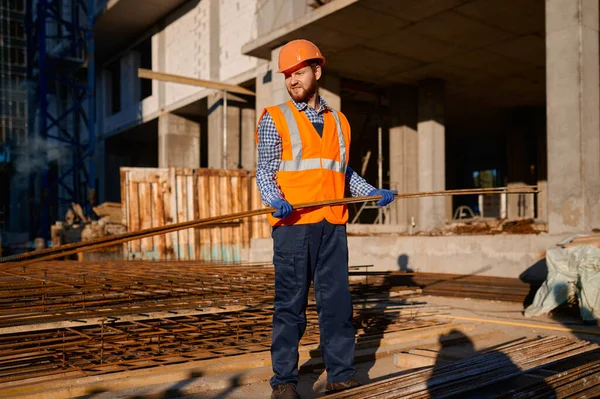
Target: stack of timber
489	374
457	285
158	197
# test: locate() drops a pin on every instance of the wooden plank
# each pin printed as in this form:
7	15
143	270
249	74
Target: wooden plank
172	201
145	217
158	219
125	209
236	208
181	214
134	217
225	194
254	221
229	231
195	215
215	236
189	189
203	212
167	77
245	205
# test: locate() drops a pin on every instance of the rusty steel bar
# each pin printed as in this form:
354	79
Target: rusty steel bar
70	290
69	249
116	347
468	375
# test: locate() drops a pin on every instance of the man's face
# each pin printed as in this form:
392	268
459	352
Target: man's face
302	83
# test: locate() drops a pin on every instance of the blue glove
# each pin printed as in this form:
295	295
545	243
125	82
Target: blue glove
387	196
284	208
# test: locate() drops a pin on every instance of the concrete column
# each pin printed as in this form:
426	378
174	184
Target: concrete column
130	83
215	39
542	174
158	64
217	157
248	143
432	153
573	103
403	158
178	142
264	89
278	90
329	89
519	151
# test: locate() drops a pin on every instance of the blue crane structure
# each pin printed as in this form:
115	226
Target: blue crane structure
60	66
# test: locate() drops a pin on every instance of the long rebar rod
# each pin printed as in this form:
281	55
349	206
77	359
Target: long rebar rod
472	373
70	249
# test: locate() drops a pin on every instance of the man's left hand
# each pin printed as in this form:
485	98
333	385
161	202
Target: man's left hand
387	196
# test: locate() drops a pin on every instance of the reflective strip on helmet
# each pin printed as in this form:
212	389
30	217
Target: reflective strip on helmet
297	163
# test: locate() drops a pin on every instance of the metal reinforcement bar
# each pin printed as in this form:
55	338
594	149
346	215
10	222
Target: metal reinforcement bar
65	250
577	382
466	376
456	285
58	291
75	352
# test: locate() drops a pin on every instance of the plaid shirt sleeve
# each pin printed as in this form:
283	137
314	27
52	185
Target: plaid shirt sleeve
356	185
269	158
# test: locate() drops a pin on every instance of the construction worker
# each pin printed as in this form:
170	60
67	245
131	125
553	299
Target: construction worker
303	148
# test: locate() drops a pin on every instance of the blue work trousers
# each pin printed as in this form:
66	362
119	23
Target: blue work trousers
304	253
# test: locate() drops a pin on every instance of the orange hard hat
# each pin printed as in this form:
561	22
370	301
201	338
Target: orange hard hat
296	52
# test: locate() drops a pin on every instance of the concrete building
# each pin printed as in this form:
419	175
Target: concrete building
504	92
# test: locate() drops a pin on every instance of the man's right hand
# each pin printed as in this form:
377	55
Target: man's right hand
284	208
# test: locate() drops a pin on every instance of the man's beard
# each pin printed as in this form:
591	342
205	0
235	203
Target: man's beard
304	95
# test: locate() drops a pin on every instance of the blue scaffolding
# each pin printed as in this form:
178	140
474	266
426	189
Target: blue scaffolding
60	64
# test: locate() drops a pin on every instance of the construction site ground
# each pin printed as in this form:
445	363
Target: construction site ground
475	329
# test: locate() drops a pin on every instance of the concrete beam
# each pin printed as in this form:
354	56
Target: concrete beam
261	46
573	103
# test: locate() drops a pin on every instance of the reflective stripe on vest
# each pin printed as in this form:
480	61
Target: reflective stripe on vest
297	163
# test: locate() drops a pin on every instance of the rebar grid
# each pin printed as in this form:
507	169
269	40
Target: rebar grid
62	291
456	285
115	347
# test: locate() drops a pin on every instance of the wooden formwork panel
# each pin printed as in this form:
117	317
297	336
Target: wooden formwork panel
153	197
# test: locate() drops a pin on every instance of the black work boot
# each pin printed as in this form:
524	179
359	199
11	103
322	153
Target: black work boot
285	391
341	386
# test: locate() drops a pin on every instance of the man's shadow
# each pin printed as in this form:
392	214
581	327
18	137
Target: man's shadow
373	319
452	378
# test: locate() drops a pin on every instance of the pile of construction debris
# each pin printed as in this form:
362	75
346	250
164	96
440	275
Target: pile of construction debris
78	227
488	227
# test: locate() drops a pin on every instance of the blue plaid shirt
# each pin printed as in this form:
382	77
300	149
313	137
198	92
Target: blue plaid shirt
269	156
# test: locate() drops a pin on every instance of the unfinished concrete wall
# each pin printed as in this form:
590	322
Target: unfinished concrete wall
498	255
272	14
188	48
178	142
573	104
237	24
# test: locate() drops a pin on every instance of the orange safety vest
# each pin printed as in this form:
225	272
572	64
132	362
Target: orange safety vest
312	168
